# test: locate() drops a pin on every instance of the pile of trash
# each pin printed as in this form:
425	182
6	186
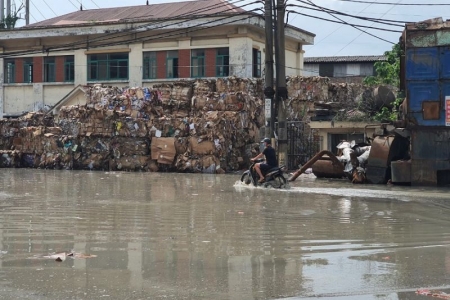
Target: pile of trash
186	126
318	99
354	157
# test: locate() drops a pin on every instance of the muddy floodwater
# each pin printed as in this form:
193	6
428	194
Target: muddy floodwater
100	235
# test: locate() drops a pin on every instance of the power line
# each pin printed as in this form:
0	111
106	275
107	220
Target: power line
38	10
126	32
345	23
50	7
161	35
376	20
401	4
73	4
361	33
315	44
95	3
72	46
377	37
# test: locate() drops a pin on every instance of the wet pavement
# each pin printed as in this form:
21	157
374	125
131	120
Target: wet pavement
191	236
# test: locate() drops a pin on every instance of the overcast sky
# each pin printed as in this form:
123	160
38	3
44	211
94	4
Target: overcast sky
332	39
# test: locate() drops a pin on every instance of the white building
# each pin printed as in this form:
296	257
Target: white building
134	46
342	68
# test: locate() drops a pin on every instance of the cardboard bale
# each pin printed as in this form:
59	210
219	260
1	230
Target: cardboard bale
129	127
163	150
92	161
235	84
181	145
126	146
131	163
204	86
199	147
182	92
163	92
10	159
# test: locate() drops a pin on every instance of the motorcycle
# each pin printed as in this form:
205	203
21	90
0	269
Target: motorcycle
273	178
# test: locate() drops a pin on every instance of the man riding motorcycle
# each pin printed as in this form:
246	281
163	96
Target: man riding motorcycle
271	159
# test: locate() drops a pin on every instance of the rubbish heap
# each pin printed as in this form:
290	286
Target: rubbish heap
319	99
186	126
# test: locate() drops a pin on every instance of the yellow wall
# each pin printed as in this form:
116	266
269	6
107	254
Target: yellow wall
325	128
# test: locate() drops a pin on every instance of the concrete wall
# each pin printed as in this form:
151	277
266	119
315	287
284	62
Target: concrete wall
18	98
325	128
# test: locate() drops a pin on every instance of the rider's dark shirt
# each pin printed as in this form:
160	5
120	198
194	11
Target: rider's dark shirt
271	157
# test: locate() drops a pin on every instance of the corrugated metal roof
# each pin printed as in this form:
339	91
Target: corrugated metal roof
143	12
345	59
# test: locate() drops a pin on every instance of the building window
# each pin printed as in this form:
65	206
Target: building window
326	70
112	66
49	69
256	63
172	64
28	71
223	62
10	71
69	68
149	71
198	63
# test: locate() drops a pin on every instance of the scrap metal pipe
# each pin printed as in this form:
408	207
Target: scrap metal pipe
313	160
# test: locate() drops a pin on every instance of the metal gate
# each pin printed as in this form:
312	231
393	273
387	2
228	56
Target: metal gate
303	144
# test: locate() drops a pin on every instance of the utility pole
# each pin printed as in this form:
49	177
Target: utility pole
8	8
281	90
268	90
2	11
27	12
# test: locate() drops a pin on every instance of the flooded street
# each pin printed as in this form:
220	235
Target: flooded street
191	236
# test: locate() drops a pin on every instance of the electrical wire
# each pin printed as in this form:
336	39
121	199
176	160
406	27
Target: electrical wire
377	37
345	23
376	20
401	4
126	32
95	3
361	33
338	28
161	35
73	4
109	36
37	9
49	7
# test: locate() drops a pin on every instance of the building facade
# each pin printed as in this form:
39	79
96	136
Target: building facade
135	46
351	69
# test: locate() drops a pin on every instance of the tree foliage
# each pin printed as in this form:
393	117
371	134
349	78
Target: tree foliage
9	22
387	72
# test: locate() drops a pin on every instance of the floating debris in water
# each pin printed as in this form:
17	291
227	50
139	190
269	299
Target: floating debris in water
62	256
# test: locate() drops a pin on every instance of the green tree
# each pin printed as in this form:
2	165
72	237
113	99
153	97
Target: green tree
9	22
387	73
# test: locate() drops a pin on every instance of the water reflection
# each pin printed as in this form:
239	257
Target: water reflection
197	237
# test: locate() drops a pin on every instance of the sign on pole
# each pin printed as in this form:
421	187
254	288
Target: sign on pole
267	108
447	110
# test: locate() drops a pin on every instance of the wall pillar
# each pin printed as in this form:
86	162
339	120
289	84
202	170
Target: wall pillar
135	63
80	60
299	63
241	57
38	95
